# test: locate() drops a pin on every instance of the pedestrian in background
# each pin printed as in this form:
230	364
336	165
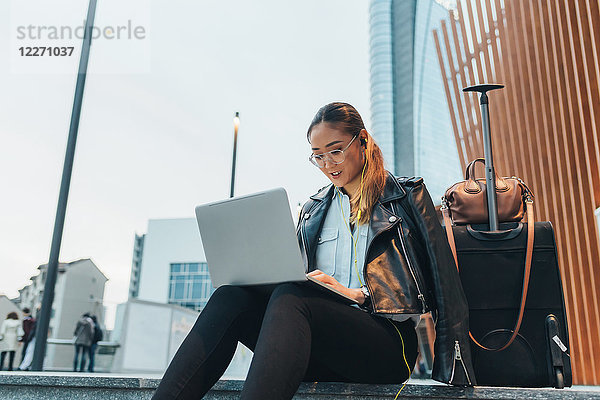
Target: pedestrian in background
10	333
84	334
28	359
28	329
98	336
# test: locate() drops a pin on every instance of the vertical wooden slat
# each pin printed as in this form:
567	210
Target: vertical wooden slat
499	142
509	64
503	116
509	103
458	72
459	99
459	143
471	97
479	77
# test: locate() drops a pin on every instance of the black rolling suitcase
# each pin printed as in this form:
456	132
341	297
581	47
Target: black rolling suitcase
506	297
491	271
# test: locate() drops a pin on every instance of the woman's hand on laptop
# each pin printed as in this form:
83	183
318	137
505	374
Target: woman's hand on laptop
356	294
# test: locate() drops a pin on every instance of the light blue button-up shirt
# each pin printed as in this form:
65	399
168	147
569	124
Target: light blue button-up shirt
335	247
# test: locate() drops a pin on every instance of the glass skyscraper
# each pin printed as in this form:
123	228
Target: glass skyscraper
409	112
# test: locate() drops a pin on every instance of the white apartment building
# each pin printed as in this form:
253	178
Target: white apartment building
79	289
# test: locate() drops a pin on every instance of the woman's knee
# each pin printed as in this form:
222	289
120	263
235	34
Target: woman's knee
230	294
292	289
226	302
289	296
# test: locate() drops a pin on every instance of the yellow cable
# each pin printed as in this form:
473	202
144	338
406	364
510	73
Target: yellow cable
403	355
354	242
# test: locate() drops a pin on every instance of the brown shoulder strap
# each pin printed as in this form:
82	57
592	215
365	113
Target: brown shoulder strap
449	233
526	273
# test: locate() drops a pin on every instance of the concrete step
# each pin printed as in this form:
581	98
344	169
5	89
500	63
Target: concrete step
66	386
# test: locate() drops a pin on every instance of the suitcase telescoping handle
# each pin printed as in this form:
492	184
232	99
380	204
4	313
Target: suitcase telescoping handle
491	179
526	273
490	173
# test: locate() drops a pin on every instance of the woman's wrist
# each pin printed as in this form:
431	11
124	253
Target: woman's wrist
358	295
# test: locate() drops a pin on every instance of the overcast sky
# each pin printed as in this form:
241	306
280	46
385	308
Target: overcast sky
156	131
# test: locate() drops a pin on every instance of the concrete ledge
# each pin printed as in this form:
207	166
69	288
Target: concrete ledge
43	386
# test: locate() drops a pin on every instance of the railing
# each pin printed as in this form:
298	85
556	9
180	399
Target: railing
113	345
60	358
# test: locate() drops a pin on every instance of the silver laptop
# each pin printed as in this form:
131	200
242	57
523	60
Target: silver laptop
251	240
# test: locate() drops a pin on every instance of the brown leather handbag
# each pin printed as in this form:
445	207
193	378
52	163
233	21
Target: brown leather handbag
466	203
467	200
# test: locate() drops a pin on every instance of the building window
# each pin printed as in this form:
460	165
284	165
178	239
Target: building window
190	285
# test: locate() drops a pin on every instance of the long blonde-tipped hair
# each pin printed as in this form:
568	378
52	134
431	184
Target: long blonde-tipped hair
344	117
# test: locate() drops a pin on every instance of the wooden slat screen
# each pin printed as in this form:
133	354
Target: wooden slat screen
545	129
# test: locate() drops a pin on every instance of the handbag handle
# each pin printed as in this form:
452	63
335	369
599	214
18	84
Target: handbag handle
526	273
473	186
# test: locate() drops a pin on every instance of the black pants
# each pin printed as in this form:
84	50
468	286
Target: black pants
297	334
11	359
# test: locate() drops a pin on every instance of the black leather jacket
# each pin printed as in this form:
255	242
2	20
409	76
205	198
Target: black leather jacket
408	268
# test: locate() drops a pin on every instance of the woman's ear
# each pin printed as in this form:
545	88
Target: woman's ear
363	137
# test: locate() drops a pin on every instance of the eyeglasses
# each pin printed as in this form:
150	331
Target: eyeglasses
333	156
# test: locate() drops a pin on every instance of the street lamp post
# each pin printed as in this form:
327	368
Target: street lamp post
43	319
236	124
